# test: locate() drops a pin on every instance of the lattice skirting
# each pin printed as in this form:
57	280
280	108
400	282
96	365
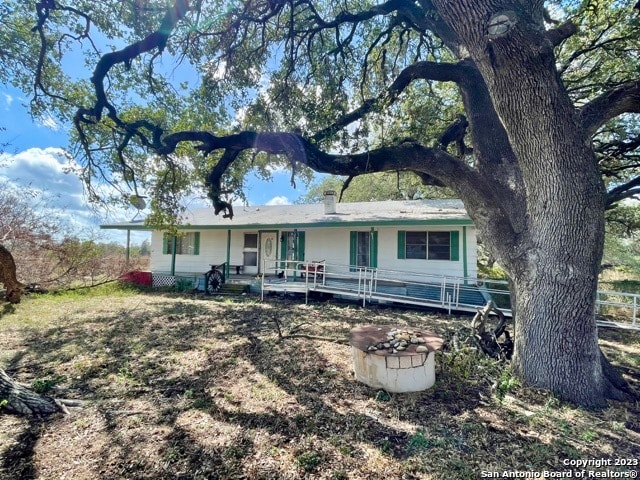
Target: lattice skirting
181	283
159	280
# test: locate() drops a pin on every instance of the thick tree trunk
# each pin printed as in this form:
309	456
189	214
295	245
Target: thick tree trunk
13	288
556	345
555	204
23	401
556	338
555	276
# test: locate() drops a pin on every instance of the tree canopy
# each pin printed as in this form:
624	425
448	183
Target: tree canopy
172	97
177	95
374	187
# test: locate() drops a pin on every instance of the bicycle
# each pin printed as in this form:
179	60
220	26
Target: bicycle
214	279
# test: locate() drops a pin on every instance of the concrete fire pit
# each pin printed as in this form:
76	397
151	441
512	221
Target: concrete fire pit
396	359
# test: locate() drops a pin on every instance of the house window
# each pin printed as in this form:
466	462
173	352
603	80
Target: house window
289	245
362	249
187	244
250	259
428	245
292	245
416	245
250	240
250	250
439	246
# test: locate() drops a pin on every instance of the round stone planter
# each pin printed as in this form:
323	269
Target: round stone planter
380	360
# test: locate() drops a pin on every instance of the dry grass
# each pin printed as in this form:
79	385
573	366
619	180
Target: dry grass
194	388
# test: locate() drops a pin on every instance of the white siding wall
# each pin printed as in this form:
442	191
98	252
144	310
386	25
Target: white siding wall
213	249
329	244
332	245
472	252
159	262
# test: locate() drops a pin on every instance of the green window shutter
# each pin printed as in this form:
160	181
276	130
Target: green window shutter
165	243
353	249
455	246
196	243
373	253
301	246
402	241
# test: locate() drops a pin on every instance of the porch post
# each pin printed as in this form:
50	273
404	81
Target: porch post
173	255
295	252
228	266
128	249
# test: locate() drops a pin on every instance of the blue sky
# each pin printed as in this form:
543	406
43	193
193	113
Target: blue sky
36	157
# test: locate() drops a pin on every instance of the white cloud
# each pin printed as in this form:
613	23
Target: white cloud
8	99
49	122
43	168
48	173
45	173
279	200
217	70
241	114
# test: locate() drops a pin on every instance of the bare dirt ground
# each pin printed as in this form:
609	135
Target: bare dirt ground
196	388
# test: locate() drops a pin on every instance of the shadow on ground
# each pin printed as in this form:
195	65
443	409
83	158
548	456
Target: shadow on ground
183	388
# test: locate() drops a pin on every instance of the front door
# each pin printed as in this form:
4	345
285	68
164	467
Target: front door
268	252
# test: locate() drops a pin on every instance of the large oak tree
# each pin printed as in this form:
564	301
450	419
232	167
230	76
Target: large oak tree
351	87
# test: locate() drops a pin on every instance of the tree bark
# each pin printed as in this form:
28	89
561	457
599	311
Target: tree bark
23	401
553	254
13	288
556	338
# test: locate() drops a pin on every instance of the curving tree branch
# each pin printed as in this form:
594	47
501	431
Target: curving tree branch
626	190
433	165
624	98
156	40
444	72
565	30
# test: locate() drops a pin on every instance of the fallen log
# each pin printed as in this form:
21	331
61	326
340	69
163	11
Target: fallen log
18	399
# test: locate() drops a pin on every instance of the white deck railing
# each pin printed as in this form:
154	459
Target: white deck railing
369	284
612	306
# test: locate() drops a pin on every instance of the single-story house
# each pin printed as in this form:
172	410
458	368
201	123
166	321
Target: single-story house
422	236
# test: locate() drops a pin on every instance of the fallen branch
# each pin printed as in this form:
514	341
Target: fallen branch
293	334
486	337
317	337
484	334
93	285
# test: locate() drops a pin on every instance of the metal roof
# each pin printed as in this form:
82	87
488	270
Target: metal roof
411	212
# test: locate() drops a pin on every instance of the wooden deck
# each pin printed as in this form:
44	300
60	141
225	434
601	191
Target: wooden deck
366	285
614	309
